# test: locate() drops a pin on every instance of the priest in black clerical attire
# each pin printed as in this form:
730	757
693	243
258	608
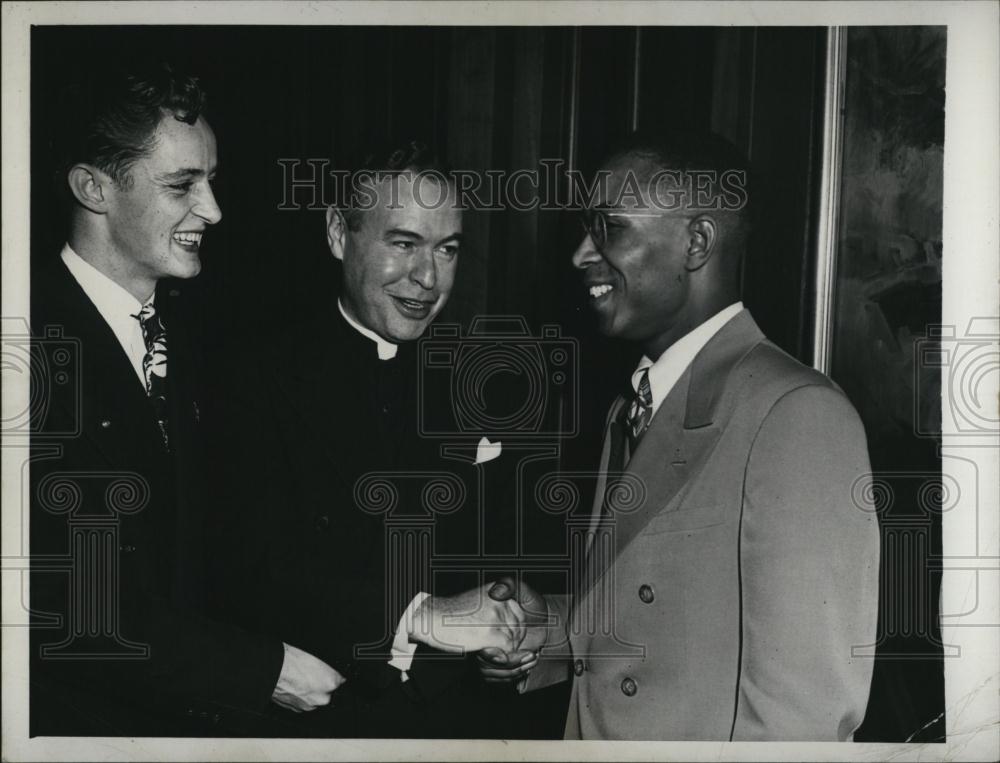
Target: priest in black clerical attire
331	495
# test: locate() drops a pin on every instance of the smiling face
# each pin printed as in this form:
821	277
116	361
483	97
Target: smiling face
637	283
156	221
399	266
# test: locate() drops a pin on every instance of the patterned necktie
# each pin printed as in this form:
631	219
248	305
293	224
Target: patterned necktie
640	412
154	365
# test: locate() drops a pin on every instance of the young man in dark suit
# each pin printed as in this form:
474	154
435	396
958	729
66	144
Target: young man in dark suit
724	598
122	644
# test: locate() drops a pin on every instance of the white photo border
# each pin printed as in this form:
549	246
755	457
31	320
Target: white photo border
970	590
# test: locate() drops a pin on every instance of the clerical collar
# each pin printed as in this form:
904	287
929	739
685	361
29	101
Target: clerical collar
386	350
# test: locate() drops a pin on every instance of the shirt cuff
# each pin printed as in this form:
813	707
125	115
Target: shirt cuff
402	648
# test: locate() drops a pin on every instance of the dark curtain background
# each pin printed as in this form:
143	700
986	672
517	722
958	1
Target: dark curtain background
489	98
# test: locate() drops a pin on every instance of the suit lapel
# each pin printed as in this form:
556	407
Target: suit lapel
115	413
186	446
611	457
681	436
182	375
667	456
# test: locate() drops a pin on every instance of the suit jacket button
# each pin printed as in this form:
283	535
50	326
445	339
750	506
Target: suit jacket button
629	687
322	522
105	423
646	594
126	548
578	667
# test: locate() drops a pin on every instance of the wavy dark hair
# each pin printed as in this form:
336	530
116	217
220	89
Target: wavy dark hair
110	120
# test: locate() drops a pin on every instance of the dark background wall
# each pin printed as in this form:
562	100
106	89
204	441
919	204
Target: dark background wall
489	98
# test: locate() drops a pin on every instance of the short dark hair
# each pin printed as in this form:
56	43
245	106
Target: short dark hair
109	120
387	160
689	150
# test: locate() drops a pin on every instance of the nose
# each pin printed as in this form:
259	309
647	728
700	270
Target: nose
423	269
206	207
586	254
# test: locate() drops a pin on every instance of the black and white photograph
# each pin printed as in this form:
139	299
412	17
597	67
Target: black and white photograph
528	381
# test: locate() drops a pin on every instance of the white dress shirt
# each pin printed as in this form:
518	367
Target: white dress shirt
118	308
671	365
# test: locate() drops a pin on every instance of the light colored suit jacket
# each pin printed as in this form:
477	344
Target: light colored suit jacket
729	595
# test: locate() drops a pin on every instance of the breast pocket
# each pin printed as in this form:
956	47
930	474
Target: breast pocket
686	519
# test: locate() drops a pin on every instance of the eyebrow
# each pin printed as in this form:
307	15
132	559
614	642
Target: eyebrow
403	232
186	172
414	235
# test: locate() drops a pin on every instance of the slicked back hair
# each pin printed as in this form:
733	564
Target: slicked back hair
409	156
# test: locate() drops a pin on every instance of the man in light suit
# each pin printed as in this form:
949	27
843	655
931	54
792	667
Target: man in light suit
732	561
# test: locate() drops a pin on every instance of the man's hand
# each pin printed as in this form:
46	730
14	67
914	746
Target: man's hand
499	667
305	683
468	622
506	666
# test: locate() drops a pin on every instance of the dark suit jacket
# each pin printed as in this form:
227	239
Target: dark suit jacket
740	572
327	513
121	644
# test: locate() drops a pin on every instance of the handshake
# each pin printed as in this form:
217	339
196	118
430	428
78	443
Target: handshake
505	623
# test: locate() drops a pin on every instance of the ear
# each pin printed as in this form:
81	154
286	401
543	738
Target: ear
89	186
336	232
704	232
